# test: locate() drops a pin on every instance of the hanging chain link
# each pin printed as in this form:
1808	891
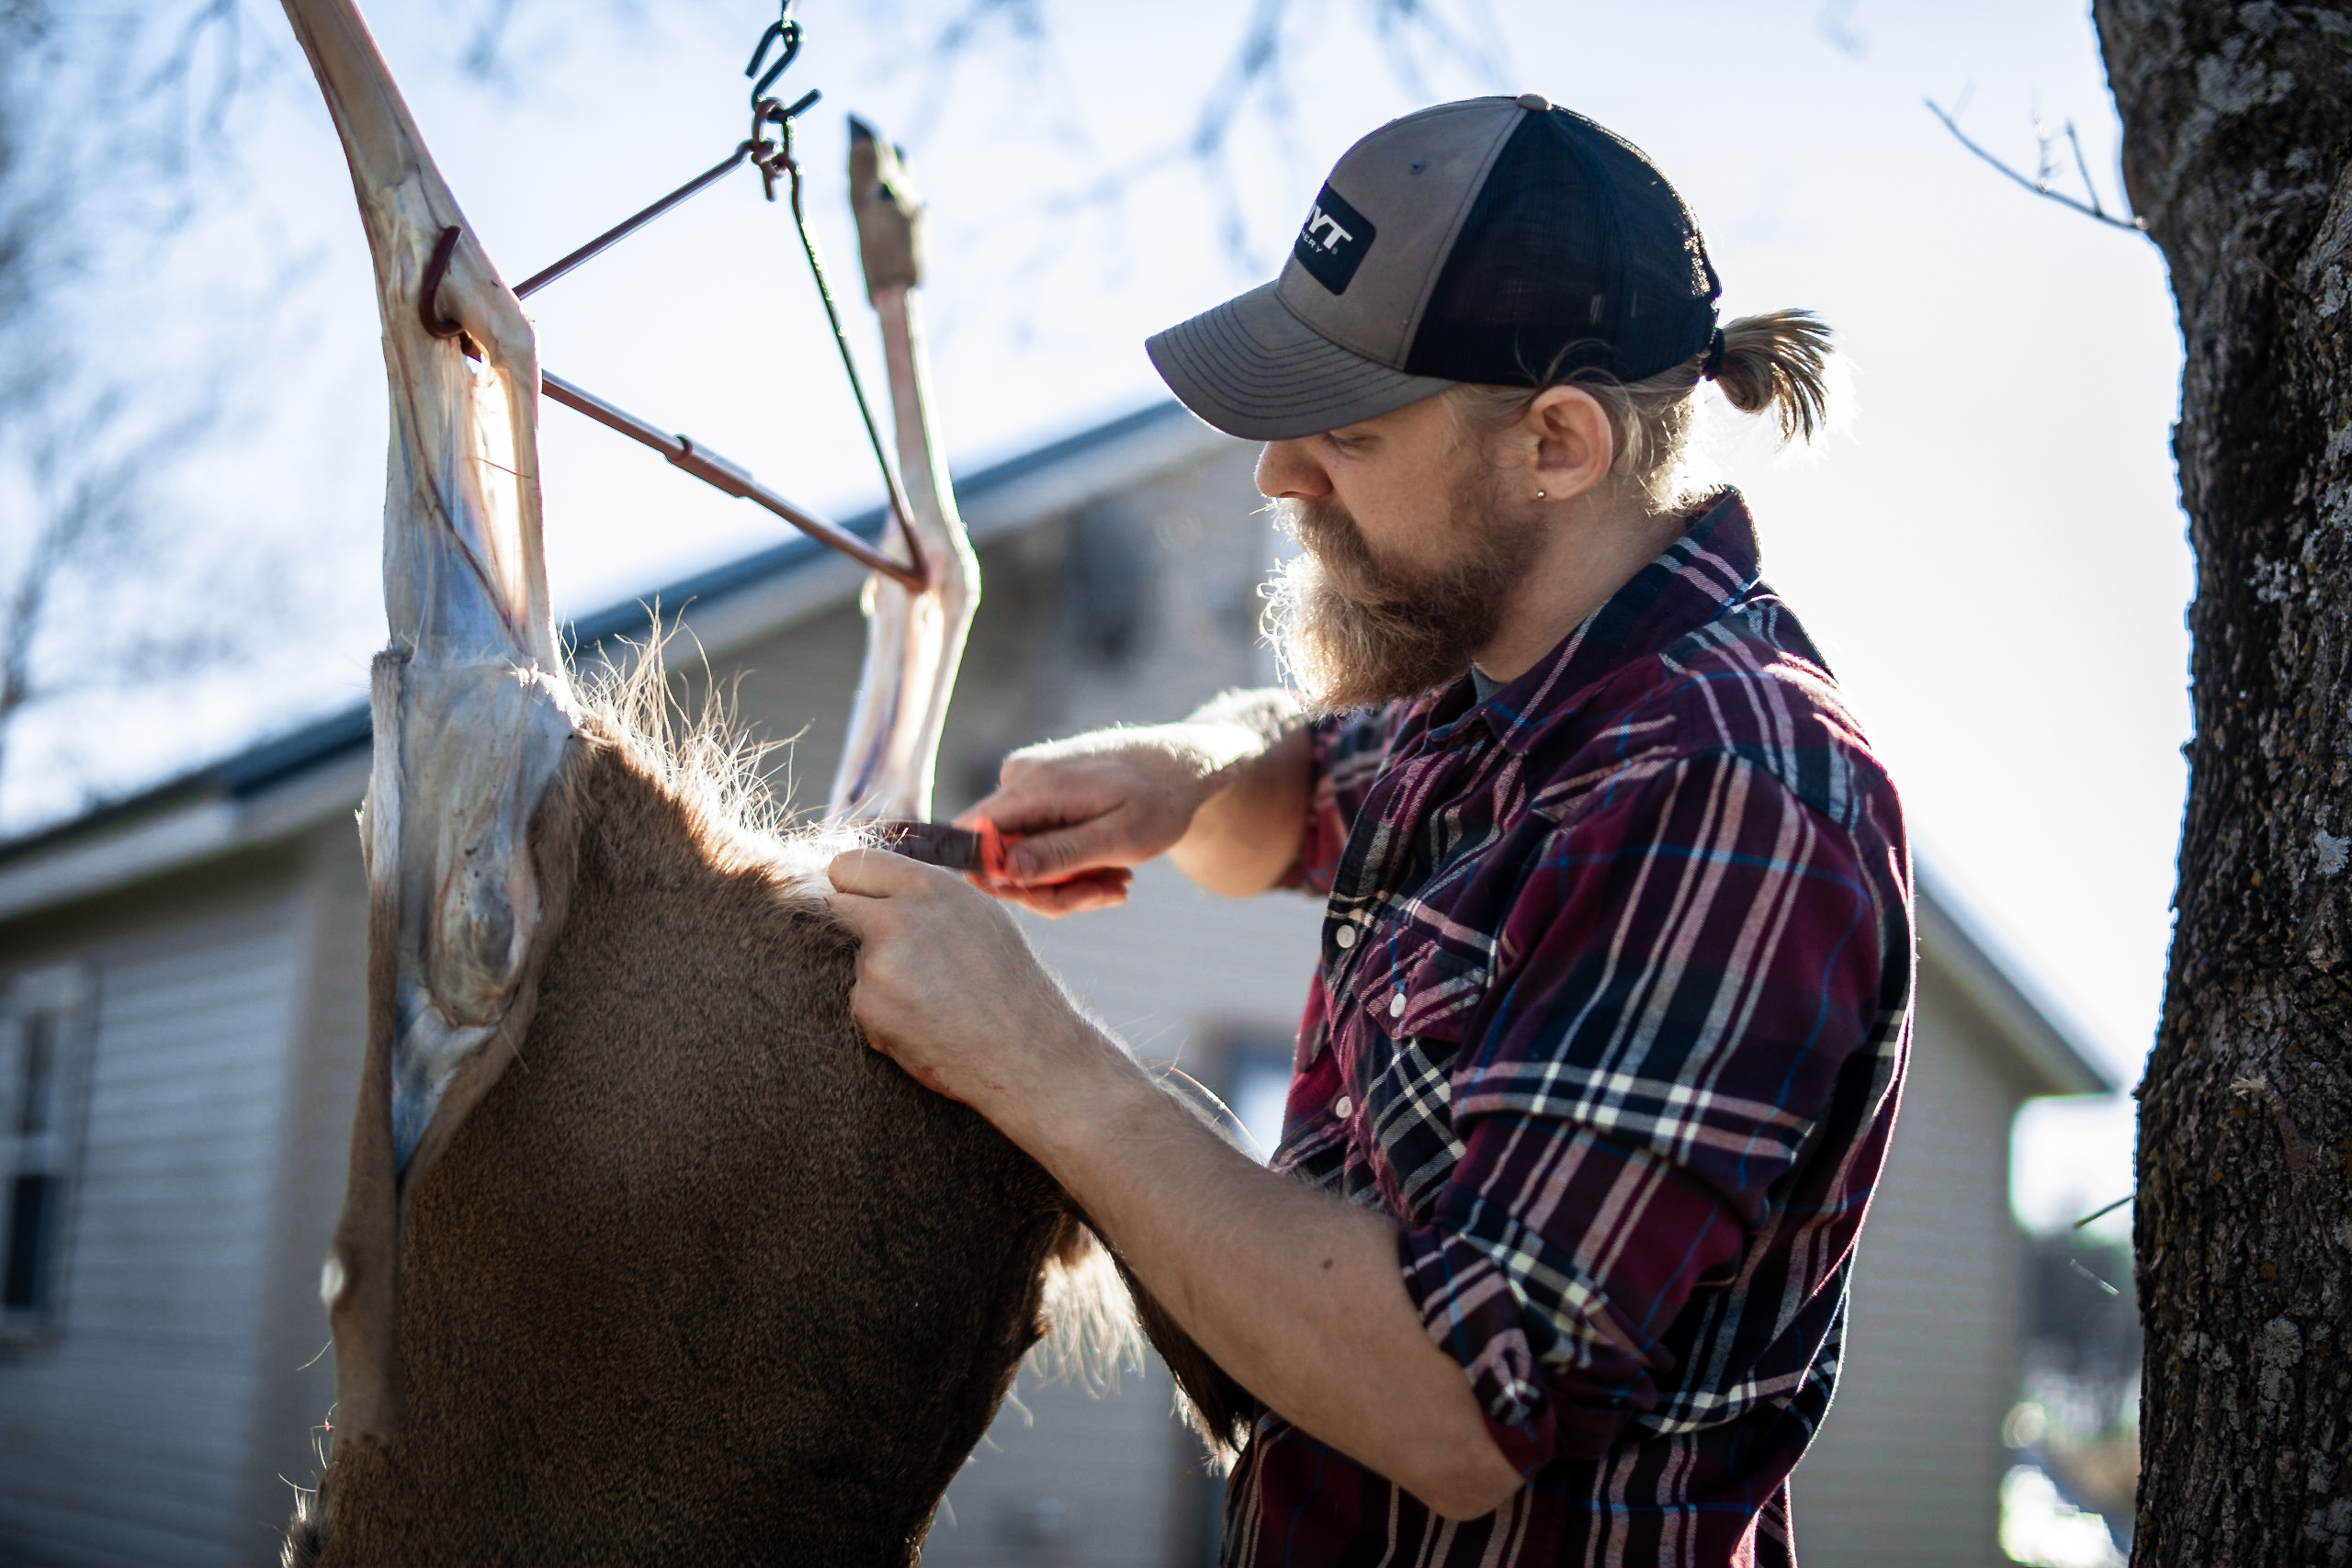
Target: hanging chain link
775	158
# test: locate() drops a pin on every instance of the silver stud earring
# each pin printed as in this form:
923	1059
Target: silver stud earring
1539	495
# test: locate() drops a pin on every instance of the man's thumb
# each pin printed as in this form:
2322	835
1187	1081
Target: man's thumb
872	873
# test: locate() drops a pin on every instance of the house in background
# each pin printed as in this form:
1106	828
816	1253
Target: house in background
180	1031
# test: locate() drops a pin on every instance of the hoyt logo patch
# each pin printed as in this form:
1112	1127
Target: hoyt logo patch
1332	242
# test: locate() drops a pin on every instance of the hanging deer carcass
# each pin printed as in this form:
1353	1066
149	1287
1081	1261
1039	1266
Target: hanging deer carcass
644	1256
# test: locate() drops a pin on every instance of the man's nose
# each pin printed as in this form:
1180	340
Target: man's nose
1287	470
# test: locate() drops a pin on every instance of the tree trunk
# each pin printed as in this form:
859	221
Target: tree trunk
2238	151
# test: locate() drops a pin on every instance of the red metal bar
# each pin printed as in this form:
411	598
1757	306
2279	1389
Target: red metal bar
628	226
713	470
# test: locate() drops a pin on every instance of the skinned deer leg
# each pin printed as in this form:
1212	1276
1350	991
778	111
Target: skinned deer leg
914	642
472	714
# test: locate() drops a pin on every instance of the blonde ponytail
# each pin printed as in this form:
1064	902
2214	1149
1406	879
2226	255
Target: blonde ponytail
1778	361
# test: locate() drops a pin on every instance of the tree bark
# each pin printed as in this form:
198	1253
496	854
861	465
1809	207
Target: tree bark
2238	151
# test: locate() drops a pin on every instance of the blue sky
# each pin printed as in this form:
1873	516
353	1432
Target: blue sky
1989	549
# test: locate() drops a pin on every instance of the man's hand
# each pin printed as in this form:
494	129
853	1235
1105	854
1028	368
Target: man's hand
1226	790
1085	810
946	984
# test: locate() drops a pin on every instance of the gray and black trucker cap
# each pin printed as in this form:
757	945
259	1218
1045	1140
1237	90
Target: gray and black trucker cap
1495	240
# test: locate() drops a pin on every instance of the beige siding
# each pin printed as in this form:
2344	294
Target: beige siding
293	1383
1907	1466
1175	965
127	1432
1066	1479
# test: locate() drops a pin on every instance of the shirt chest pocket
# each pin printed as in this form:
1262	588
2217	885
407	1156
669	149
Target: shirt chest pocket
1414	985
1415	1001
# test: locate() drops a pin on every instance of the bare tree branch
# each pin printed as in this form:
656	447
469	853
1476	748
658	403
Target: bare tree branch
1254	76
2040	183
103	120
99	598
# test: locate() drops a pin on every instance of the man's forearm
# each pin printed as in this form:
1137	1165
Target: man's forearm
1297	1294
1259	771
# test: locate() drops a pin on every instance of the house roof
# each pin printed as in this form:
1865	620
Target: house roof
2042	1040
287	780
293	780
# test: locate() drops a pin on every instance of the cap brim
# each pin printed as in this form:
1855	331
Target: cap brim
1252	369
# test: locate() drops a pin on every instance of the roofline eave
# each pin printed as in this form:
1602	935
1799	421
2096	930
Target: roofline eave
2045	1049
290	782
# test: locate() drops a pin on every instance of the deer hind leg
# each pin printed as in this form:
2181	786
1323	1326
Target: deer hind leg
914	642
472	714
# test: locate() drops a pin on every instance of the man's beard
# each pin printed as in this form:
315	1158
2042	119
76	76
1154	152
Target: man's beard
1354	630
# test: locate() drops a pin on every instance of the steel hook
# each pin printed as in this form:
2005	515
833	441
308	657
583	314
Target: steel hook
785	31
428	301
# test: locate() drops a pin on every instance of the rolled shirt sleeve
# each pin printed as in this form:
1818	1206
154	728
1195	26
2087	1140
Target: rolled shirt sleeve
1348	751
1681	980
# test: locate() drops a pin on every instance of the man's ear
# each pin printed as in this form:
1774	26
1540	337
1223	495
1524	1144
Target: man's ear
1574	442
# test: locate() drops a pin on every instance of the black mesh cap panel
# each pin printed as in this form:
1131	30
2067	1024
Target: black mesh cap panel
1577	254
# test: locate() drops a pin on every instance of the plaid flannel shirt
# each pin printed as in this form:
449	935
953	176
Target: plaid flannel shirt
1612	1013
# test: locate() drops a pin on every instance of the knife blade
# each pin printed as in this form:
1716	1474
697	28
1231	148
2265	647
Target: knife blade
974	852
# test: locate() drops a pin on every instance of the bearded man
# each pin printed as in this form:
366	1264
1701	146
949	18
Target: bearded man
1605	1042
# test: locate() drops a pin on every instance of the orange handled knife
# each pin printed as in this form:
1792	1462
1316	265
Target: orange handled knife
976	851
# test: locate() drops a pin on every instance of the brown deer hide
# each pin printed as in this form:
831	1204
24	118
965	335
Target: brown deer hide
644	1256
702	1279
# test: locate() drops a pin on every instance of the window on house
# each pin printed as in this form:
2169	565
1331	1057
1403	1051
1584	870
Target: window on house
41	1033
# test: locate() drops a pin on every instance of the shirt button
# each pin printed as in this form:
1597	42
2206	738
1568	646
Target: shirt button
1345	936
1397	1005
1343	1108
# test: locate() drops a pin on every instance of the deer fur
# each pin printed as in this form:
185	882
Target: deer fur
701	1277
